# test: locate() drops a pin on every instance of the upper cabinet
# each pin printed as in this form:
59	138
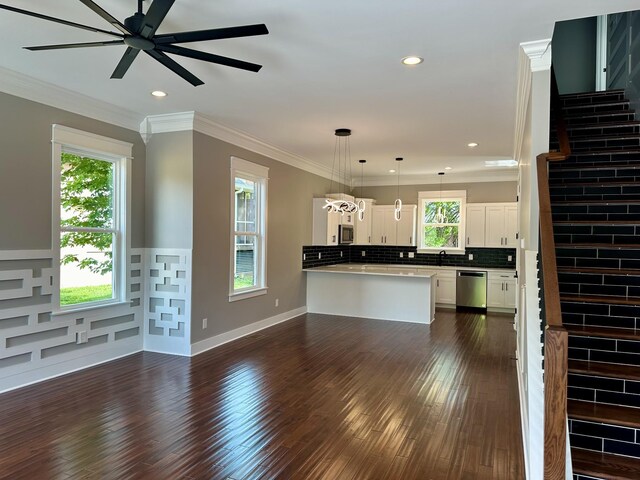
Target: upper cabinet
386	230
363	228
325	224
492	225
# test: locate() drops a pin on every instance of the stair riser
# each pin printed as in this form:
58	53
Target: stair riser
607	350
603	118
613	234
594	192
596	175
601	257
602	213
621	105
592	98
600	315
578	131
585	477
604	438
595	143
599	284
613	391
599	160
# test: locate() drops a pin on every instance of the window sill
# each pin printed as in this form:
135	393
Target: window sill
436	251
88	308
234	297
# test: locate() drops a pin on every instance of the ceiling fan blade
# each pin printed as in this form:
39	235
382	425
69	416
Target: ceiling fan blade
75	45
125	62
59	20
154	17
213	34
209	57
107	16
175	67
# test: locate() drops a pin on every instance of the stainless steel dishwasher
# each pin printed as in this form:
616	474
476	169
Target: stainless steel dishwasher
471	289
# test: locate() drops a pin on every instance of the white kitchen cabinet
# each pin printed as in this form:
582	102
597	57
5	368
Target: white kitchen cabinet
363	230
446	287
386	230
496	227
325	224
501	290
475	225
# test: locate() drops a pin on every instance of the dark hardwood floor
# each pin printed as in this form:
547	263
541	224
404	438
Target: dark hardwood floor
316	397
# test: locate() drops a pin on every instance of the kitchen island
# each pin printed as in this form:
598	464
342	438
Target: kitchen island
398	293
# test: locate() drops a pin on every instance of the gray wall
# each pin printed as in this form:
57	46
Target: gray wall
574	55
476	192
25	171
289	228
169	190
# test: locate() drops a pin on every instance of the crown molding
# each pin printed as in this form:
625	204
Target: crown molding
29	88
505	175
183	121
539	54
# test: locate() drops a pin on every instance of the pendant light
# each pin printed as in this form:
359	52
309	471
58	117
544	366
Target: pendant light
361	204
398	203
341	150
440	217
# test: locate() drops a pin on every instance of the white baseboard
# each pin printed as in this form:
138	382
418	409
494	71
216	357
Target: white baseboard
216	341
524	421
63	368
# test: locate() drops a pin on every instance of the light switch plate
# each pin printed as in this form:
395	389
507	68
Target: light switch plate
364	254
471	256
509	258
401	255
412	255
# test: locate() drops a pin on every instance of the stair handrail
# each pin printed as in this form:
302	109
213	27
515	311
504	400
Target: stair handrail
555	335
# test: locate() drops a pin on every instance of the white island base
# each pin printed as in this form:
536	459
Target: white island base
383	293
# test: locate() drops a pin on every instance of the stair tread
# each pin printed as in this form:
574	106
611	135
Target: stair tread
618	246
594	93
606	271
599	104
604	413
597	222
609	370
605	465
605	332
601	299
586	126
593	202
598	184
606	113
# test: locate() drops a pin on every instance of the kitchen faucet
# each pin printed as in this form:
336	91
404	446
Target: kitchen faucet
441	255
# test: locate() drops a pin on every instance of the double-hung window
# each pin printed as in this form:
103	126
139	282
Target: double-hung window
248	276
442	221
90	215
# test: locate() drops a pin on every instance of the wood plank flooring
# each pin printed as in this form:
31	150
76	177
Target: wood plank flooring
318	397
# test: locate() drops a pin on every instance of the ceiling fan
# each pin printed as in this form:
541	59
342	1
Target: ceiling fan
138	33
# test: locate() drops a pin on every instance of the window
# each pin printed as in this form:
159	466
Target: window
442	221
90	214
248	229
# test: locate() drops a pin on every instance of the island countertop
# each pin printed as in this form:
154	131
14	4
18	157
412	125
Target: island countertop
375	269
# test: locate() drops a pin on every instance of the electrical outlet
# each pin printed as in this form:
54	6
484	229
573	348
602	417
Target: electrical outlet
82	337
364	254
304	256
471	256
340	254
204	323
509	258
401	255
412	255
277	302
319	256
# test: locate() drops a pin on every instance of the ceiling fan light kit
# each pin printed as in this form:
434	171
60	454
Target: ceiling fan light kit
138	34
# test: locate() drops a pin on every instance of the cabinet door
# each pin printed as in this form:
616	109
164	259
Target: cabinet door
475	225
495	292
511	225
446	288
333	220
494	226
406	227
510	291
363	228
378	226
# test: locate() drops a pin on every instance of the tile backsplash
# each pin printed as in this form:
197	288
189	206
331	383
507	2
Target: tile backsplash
317	256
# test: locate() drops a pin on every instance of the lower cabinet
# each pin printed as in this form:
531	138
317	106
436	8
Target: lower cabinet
501	290
446	287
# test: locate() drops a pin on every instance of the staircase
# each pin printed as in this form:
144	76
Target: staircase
595	197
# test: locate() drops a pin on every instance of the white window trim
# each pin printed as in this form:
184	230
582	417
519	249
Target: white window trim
66	139
260	175
445	195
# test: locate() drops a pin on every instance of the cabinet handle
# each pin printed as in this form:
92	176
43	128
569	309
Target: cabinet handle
382	239
468	241
437	283
334	238
506	287
502	284
369	238
501	240
410	240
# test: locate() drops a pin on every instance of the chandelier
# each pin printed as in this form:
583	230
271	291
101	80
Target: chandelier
341	152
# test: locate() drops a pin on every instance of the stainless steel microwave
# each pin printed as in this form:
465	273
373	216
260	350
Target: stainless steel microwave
345	234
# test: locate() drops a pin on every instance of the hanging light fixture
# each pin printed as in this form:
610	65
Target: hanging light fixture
398	203
342	150
440	216
361	204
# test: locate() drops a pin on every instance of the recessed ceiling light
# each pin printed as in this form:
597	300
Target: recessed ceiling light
412	60
500	163
159	93
472	145
392	171
447	168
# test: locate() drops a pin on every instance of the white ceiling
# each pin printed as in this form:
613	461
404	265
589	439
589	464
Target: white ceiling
326	64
